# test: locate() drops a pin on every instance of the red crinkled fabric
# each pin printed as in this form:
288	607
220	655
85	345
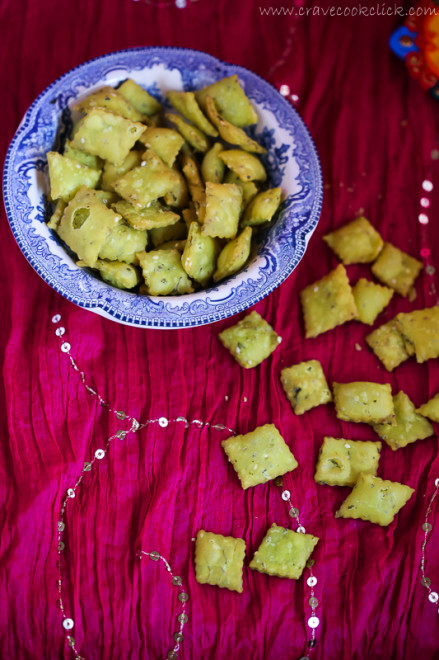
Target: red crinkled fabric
375	131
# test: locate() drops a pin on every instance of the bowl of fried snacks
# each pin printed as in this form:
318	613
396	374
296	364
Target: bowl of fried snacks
162	187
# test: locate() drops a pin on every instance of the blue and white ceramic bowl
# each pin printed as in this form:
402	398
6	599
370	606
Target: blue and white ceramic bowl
292	163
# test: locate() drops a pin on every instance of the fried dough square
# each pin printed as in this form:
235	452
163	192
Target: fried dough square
107	135
370	299
364	402
430	409
234	255
355	243
163	273
388	345
86	225
251	340
146	183
327	303
67	176
375	499
410	425
219	560
283	553
305	386
420	332
396	269
341	461
259	456
223	206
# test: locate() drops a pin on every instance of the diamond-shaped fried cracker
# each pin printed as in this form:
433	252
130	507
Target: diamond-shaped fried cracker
219	560
231	101
164	275
430	409
388	345
139	98
259	456
410	425
341	461
283	553
327	303
106	135
356	242
143	185
251	340
86	225
223	205
420	332
234	255
164	141
396	269
364	402
109	99
375	499
67	176
305	386
370	299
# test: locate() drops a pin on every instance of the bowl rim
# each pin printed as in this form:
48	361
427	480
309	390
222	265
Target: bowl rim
106	309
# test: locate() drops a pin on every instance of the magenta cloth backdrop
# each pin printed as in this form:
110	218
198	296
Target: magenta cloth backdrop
377	135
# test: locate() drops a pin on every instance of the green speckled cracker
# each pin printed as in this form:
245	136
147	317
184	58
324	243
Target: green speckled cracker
139	98
341	461
251	340
113	172
150	217
234	255
86	225
245	165
163	273
119	274
259	456
364	402
106	135
430	409
249	188
219	560
262	207
388	345
109	99
327	303
187	105
165	142
356	242
410	425
396	269
283	553
230	133
86	159
223	206
370	299
123	244
146	183
212	167
195	184
375	499
305	386
67	176
191	134
420	332
231	101
200	255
